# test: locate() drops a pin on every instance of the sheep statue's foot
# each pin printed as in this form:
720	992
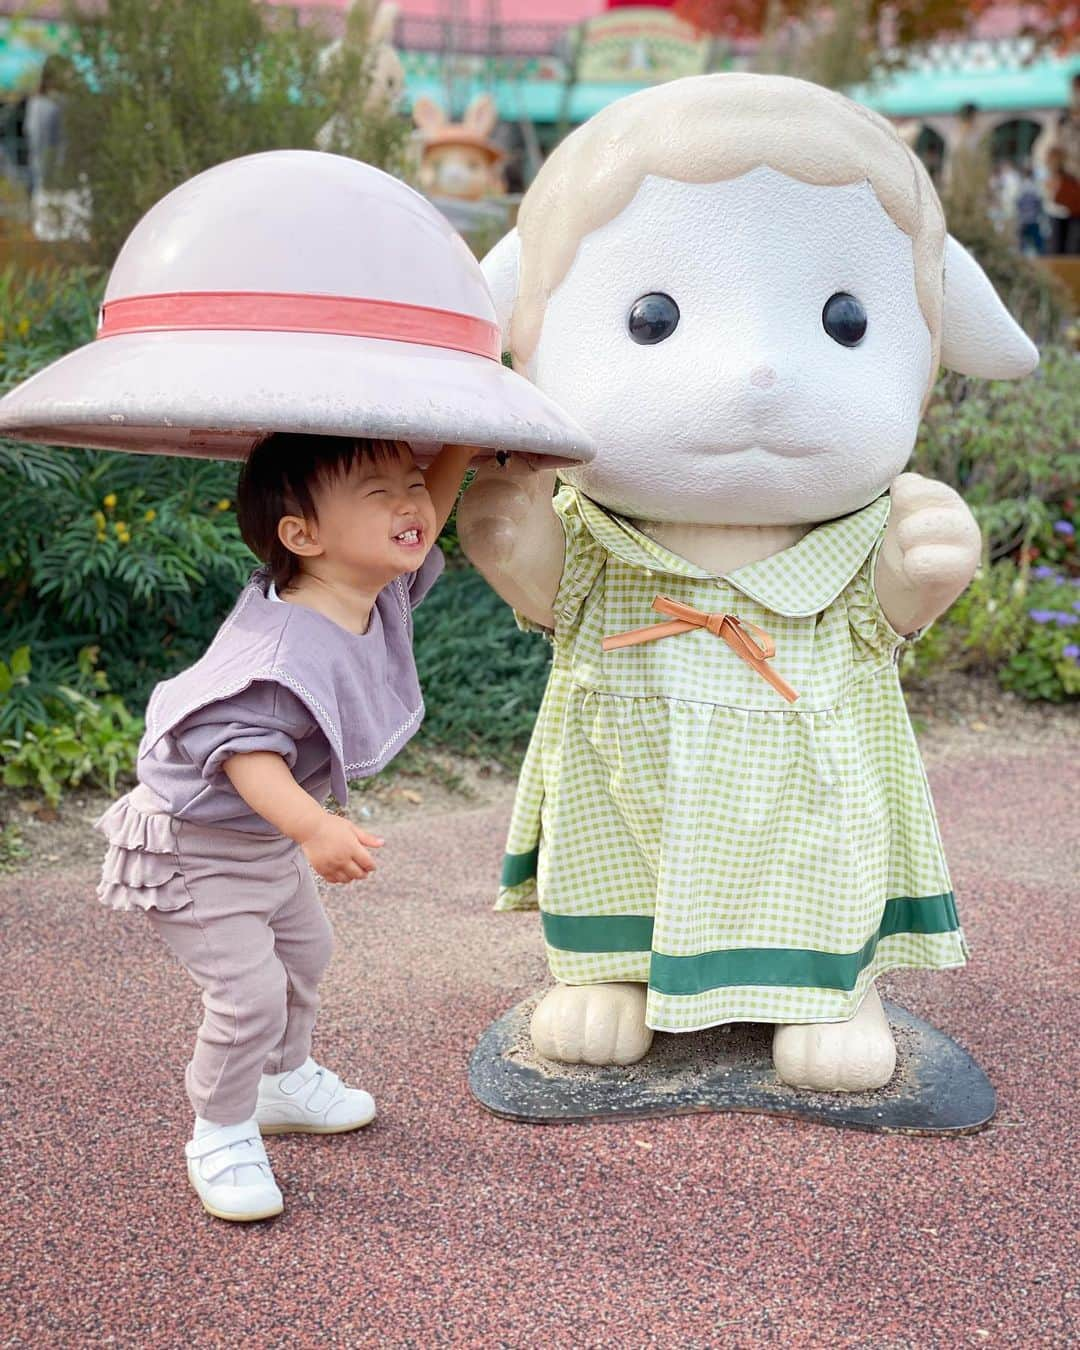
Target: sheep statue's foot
854	1056
592	1024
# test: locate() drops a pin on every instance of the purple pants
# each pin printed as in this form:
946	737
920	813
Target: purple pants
256	940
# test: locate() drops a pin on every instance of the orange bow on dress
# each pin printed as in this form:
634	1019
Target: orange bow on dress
745	639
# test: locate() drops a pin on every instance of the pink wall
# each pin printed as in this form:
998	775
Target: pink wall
505	11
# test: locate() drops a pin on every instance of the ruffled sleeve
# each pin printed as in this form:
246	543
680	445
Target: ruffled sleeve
874	636
265	717
582	565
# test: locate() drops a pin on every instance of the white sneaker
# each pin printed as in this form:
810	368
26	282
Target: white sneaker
230	1172
310	1100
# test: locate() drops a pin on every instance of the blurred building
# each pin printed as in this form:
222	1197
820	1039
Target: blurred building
550	64
998	83
553	63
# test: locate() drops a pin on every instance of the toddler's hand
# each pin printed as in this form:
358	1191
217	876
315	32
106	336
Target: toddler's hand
336	849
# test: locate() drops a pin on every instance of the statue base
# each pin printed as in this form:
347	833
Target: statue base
937	1088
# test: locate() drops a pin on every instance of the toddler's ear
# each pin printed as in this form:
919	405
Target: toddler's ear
500	268
979	336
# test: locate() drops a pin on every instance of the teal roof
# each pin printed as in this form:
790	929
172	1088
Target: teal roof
908	93
20	69
922	93
531	100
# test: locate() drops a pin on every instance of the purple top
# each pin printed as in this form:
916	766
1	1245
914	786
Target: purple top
281	677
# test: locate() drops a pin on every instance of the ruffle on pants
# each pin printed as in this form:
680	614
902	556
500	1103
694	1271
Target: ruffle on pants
142	869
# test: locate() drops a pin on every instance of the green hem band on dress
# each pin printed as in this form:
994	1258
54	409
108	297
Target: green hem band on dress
598	932
793	967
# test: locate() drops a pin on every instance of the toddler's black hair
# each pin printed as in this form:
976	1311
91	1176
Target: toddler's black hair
277	480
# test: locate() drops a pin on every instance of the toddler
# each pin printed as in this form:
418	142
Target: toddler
309	682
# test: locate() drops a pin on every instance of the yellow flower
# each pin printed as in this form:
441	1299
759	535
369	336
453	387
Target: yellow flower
3	329
121	528
110	501
150	515
23	326
224	504
102	536
99	519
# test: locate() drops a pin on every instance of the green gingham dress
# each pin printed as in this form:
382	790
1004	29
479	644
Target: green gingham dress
679	824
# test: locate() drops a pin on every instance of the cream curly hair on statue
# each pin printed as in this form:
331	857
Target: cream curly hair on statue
678	131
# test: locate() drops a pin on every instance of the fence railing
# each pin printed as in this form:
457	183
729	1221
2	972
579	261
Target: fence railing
412	32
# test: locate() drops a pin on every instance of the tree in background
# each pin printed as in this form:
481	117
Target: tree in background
163	90
846	42
166	90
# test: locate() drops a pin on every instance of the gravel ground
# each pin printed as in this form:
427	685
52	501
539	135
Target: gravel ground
443	1226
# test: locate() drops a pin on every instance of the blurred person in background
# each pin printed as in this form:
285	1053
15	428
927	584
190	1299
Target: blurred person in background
43	127
1028	211
1068	130
1061	195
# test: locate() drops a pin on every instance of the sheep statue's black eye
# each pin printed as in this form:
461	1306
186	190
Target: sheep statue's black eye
844	319
653	318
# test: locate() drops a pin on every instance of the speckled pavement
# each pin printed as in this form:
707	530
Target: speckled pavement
443	1226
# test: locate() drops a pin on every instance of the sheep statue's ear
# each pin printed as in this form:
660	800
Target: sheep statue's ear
979	336
500	268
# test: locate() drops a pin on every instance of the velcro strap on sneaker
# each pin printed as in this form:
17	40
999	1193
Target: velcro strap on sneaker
240	1144
247	1154
326	1088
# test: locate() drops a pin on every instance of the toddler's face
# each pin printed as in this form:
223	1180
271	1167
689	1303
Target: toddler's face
378	518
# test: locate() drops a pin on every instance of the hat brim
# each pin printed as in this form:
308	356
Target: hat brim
213	395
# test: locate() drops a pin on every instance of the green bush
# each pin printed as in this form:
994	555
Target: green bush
981	631
63	727
138	553
93	746
482	677
1047	663
36	688
12	847
1018	624
158	91
1009	448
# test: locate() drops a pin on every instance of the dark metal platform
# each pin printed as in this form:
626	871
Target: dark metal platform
937	1089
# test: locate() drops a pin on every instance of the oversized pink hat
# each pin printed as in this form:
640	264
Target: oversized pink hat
291	291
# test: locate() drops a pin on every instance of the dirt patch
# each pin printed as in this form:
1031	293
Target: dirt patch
420	783
971	715
424	782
